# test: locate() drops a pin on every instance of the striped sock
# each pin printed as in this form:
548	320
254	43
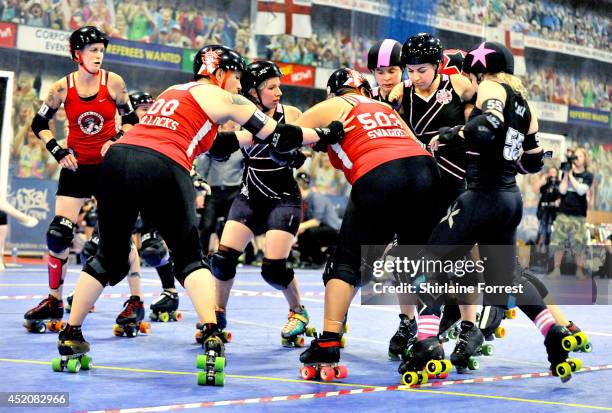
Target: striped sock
544	321
428	326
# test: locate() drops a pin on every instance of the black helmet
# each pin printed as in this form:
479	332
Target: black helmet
489	57
452	62
140	98
84	36
258	72
385	53
422	48
344	78
212	57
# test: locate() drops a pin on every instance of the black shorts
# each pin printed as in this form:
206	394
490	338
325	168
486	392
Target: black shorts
141	180
82	183
3	218
261	216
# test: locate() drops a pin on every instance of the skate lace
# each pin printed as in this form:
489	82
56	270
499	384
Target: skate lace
129	308
292	322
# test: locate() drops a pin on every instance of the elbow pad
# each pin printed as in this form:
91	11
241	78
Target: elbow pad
224	145
448	135
130	119
484	128
530	163
39	124
286	138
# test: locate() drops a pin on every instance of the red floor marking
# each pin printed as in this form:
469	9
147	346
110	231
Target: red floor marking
258	400
236	293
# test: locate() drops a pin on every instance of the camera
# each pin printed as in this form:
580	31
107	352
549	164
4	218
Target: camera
567	165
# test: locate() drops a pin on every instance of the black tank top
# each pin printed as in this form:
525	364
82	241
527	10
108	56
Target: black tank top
264	179
494	167
425	116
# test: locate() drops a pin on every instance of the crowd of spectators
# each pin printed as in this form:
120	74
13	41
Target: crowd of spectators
561	20
548	84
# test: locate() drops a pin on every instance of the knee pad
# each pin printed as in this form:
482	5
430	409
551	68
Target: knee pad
224	262
340	271
182	272
276	273
90	247
539	285
56	271
153	250
60	234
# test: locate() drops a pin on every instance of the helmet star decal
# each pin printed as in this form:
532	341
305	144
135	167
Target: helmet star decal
480	55
210	62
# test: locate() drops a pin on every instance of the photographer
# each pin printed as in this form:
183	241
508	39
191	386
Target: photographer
570	223
548	206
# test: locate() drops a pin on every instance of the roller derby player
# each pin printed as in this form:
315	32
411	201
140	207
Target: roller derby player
269	203
383	172
91	97
147	172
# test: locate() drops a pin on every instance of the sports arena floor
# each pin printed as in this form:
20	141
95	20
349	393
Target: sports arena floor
157	372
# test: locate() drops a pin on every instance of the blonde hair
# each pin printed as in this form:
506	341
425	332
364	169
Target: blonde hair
514	82
586	156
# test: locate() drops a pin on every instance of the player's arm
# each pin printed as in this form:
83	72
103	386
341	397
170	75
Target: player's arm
222	106
119	93
40	124
532	158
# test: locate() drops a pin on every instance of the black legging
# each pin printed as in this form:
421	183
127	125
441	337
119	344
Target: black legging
397	197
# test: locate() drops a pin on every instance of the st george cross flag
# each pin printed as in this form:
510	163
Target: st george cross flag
284	16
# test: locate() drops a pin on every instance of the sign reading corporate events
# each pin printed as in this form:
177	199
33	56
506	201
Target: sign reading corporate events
55	42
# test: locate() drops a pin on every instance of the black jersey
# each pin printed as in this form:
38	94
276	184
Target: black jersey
426	115
263	178
494	166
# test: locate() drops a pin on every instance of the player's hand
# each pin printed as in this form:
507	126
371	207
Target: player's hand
105	147
434	143
69	162
396	94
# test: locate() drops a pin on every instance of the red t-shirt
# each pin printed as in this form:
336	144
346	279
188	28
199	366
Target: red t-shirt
176	126
378	137
90	122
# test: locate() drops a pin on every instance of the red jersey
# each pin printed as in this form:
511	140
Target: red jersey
378	137
90	122
176	126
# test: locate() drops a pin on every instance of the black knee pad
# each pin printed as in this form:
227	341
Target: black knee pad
276	273
153	250
60	234
341	271
224	262
181	272
539	285
90	248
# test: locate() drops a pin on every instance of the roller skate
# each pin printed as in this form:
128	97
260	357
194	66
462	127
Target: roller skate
68	305
129	321
72	349
47	315
424	360
226	336
468	347
579	340
322	358
294	329
165	308
403	337
213	359
449	323
560	365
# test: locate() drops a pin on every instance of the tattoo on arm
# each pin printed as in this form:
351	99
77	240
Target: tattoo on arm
240	100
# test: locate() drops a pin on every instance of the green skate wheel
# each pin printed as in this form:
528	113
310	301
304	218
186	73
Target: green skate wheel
473	364
56	364
588	347
201	361
74	366
569	343
453	333
219	363
164	317
219	379
86	362
487	350
201	378
311	331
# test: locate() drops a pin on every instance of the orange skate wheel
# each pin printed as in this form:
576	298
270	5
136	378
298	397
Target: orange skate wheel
145	327
299	341
500	332
117	330
327	373
511	313
341	372
178	316
308	372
